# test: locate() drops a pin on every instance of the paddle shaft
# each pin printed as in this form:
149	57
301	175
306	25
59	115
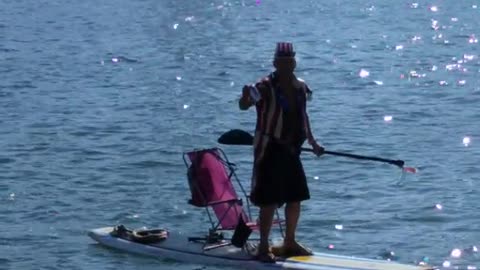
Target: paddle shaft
241	137
399	163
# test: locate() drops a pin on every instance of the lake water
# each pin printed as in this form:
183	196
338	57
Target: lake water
99	99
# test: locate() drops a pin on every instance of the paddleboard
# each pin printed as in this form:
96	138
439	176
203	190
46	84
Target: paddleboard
179	247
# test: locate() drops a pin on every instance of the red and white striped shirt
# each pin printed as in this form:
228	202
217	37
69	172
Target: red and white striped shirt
272	115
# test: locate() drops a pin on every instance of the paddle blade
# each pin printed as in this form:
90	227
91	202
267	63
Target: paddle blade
236	137
410	169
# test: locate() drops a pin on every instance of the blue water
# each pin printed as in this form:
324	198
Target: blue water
99	99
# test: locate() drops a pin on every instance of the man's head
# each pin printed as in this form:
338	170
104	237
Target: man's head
284	60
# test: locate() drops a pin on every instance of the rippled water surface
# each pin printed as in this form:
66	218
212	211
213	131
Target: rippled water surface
99	99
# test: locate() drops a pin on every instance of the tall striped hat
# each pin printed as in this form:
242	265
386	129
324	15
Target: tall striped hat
284	49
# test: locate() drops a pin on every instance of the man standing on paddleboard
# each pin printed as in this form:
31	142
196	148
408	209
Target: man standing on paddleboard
281	129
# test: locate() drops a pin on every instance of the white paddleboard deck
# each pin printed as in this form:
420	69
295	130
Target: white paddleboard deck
177	247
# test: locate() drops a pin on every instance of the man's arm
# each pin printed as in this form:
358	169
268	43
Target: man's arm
251	94
245	101
310	138
317	149
308	93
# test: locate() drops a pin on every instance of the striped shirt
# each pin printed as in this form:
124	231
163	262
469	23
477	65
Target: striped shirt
274	120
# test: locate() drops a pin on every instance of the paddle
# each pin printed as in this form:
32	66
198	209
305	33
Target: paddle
240	137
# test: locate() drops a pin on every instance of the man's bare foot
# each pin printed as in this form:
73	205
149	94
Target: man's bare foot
278	251
265	255
293	248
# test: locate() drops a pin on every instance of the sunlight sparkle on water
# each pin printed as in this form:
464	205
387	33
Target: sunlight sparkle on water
454	19
399	47
466	141
471	267
474	249
189	18
434	68
446	264
453	66
175	26
11	197
434	8
415	38
414	74
316	177
414	5
179	78
115	60
363	73
473	39
185	106
378	82
439	206
387	118
462	82
456	253
339	226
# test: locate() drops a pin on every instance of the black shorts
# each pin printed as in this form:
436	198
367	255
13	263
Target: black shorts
279	178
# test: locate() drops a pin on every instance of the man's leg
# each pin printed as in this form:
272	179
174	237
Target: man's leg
266	218
292	214
296	192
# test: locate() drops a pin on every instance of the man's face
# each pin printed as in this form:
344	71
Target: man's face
285	65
